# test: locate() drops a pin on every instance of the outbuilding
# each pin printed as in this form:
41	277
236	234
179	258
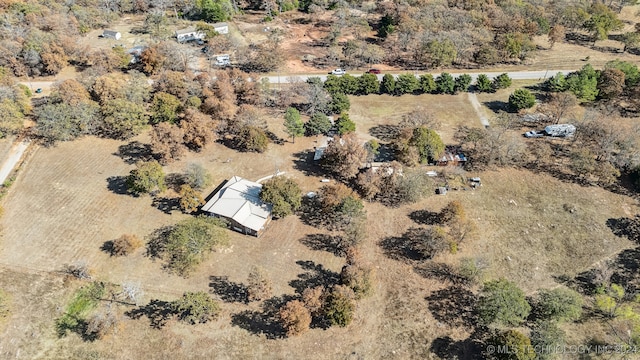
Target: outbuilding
110	34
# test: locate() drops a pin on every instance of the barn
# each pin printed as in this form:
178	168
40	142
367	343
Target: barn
238	202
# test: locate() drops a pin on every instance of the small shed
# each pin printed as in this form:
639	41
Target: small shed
111	34
221	28
441	190
452	158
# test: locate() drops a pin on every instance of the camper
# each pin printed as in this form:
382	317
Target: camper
560	130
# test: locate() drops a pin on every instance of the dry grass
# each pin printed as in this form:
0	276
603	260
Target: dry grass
450	110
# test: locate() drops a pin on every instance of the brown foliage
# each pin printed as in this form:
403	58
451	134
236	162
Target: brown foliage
313	299
167	142
199	129
176	83
453	211
125	245
295	317
102	324
71	92
556	34
359	278
259	286
345	156
611	83
190	199
151	60
54	59
109	87
332	195
559	105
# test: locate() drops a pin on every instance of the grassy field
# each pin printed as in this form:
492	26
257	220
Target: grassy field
62	208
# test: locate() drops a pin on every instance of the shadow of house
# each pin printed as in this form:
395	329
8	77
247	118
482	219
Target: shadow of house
238	202
228	291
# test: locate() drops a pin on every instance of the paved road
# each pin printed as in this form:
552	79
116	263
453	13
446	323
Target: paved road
15	154
287	78
516	75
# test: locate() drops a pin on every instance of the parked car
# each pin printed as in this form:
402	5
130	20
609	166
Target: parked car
338	72
38	91
534	134
373	71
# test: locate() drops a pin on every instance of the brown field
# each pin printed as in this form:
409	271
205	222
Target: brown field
61	209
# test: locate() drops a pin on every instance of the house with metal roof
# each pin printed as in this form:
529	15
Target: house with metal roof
238	201
221	28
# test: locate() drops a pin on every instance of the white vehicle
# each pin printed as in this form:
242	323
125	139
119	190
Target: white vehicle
222	60
534	134
338	72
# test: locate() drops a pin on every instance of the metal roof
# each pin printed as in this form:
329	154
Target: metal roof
239	199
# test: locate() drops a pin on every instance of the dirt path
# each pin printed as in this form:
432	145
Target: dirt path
478	108
15	154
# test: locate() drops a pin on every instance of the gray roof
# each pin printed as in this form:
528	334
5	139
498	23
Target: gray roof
220	24
239	199
110	32
188	30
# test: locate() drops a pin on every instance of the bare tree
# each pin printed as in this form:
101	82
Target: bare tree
132	291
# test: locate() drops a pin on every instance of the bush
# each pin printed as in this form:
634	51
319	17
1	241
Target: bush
427	84
483	84
502	303
295	317
388	84
187	243
519	346
344	124
318	124
340	306
251	138
559	304
125	245
462	83
521	99
369	84
197	176
258	285
339	103
546	335
406	84
502	81
147	177
284	193
195	307
190	199
359	279
445	84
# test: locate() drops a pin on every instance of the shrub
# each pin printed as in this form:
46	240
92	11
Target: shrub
283	193
190	199
502	81
318	124
251	138
519	346
295	317
445	83
521	99
483	84
147	177
195	307
388	84
340	306
344	124
559	304
462	83
359	279
125	245
503	303
259	286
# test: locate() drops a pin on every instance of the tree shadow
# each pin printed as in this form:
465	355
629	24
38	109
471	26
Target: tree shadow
441	272
425	217
263	322
315	275
627	270
312	214
448	349
386	153
626	227
175	181
166	205
454	306
324	242
496	106
108	247
118	185
275	138
385	132
303	161
578	38
157	242
228	291
158	312
404	248
134	151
